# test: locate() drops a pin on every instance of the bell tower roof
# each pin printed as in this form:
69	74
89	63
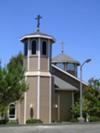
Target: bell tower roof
38	34
62	58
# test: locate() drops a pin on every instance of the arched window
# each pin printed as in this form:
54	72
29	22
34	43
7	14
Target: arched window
44	48
33	47
12	111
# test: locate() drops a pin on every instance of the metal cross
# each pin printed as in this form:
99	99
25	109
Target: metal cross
62	47
38	22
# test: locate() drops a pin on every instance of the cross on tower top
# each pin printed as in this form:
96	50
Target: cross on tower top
62	47
38	22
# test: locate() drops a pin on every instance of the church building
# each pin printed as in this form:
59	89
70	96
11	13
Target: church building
53	82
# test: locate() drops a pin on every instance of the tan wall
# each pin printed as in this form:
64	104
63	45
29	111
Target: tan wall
20	111
33	63
31	96
44	64
31	99
44	99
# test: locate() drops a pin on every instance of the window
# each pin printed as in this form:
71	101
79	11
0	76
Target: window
25	49
33	47
71	67
44	48
60	65
12	111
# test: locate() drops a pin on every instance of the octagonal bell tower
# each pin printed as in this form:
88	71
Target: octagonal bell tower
37	63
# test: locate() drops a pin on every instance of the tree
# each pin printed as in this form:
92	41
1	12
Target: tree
93	95
91	101
12	82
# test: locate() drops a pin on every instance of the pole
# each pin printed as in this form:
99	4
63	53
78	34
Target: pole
81	98
81	119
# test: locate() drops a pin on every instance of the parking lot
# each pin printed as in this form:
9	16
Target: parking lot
69	128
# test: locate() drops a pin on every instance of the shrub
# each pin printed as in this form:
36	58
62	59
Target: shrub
3	121
12	122
33	121
94	119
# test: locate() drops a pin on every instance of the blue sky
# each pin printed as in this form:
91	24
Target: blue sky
75	22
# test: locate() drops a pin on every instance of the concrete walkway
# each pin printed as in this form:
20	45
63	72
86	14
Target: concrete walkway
69	128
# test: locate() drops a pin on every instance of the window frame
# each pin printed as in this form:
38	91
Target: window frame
36	47
70	66
46	49
9	116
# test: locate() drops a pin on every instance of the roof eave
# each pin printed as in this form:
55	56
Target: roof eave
37	36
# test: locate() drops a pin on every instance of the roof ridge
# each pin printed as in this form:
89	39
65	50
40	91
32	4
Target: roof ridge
69	74
64	58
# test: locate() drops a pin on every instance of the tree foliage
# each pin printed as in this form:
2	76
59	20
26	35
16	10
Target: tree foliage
91	100
12	81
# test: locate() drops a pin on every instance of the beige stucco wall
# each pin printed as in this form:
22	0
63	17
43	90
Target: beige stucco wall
44	99
44	64
31	97
20	111
33	63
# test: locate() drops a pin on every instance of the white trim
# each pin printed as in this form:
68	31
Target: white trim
37	73
69	74
50	95
37	36
15	116
38	98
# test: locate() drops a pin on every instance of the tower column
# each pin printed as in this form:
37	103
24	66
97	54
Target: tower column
38	83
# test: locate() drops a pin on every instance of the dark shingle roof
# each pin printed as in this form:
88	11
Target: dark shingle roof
63	85
64	58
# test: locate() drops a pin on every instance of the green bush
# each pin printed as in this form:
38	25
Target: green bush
33	121
3	121
12	122
94	119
